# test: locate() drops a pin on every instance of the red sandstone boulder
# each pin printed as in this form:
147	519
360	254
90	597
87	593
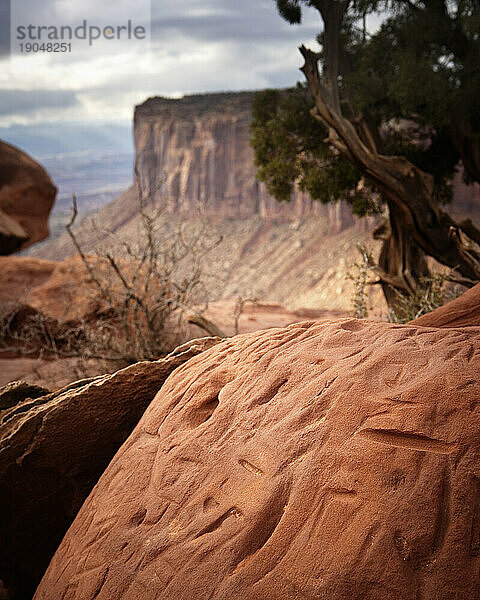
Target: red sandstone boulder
54	447
461	312
27	195
321	461
12	235
20	274
18	391
61	290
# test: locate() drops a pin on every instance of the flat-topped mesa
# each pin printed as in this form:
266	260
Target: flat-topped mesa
196	105
194	154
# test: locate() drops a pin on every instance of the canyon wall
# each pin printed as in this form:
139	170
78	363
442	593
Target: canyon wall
194	154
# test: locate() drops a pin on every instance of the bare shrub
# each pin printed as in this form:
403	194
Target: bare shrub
359	275
433	291
142	290
148	286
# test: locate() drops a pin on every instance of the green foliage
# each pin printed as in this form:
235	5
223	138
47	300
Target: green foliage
290	10
416	79
288	148
422	65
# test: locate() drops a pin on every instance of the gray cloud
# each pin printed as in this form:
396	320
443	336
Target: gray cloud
197	45
24	102
219	20
4	27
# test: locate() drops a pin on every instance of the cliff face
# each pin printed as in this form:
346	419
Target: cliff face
194	153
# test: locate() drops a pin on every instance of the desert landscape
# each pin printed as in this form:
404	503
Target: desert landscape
242	358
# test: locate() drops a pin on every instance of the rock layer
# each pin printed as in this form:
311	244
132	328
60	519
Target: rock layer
54	447
193	155
321	461
18	391
27	195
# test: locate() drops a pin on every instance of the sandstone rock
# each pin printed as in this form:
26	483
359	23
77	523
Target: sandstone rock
61	290
196	151
52	373
12	236
58	297
27	195
461	312
321	461
52	451
18	391
19	274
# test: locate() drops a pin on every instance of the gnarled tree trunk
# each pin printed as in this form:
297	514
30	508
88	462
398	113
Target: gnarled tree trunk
402	264
418	225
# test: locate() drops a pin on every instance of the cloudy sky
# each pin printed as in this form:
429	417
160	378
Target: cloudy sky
196	46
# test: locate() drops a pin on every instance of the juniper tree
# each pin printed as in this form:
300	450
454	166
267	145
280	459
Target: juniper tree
383	118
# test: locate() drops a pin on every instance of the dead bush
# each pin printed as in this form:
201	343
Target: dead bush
140	292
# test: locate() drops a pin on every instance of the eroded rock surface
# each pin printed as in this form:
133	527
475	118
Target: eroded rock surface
54	447
27	195
18	391
320	461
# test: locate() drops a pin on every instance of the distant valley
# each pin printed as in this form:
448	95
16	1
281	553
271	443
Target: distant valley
195	163
93	161
96	178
